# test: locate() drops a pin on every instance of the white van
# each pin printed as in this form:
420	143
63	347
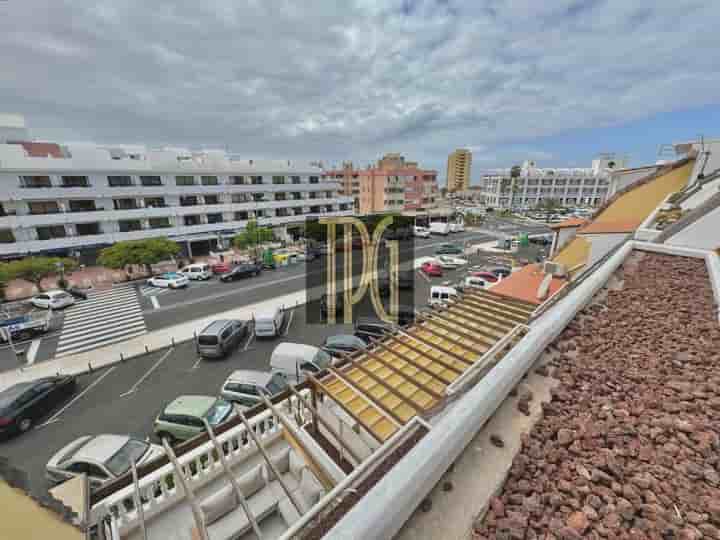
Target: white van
269	322
439	227
295	360
421	232
441	296
198	271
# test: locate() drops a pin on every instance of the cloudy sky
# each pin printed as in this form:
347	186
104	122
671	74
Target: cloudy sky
554	80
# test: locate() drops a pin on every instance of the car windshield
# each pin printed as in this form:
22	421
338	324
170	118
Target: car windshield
131	452
218	412
341	340
207	340
276	385
322	359
8	396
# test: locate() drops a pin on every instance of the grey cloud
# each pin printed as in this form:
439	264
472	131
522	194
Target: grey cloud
348	80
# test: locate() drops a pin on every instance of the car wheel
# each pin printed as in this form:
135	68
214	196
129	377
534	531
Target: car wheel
24	424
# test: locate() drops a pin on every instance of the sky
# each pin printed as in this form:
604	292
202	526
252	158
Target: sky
557	81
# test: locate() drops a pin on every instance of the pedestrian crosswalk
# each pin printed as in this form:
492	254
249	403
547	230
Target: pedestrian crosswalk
148	291
106	317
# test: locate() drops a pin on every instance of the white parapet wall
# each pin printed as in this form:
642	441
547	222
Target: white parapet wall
384	510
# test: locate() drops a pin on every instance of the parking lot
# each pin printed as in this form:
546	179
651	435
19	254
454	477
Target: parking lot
125	399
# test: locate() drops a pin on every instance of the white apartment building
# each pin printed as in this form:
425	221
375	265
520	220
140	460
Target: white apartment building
528	185
76	198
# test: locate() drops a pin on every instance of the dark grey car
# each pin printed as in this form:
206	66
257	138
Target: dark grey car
221	337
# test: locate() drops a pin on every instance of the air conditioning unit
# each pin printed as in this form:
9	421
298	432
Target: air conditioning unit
554	269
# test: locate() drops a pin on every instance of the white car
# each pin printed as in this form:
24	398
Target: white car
421	232
101	457
449	262
170	280
53	300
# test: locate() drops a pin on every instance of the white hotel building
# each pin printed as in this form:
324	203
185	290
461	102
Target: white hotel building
77	198
567	186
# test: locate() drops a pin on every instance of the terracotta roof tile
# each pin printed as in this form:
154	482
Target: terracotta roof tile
570	222
606	227
524	284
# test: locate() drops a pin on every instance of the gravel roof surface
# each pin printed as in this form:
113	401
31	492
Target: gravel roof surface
628	447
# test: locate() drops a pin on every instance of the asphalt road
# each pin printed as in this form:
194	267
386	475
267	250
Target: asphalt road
126	398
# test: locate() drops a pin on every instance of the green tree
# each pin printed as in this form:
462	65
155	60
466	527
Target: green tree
252	236
143	252
34	269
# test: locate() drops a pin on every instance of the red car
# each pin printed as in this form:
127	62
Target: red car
220	268
487	276
431	269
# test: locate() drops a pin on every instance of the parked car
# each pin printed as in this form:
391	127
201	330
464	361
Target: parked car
449	249
431	269
183	417
501	271
246	387
441	296
343	343
367	328
53	300
220	268
23	404
293	361
269	322
439	227
101	457
77	293
449	262
198	271
242	271
487	276
169	280
221	337
474	282
421	232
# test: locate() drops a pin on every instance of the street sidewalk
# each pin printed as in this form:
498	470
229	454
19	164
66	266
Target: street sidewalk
165	337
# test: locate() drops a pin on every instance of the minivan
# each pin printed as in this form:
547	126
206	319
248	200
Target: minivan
198	271
269	322
248	387
220	337
295	360
440	296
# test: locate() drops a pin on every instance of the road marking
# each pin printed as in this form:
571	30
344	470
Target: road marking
422	275
290	320
32	351
147	373
54	417
154	302
249	341
196	364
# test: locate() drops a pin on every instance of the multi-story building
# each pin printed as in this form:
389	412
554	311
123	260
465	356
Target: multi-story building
528	185
394	185
75	198
459	166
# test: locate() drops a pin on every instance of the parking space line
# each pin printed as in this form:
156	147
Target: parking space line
249	341
32	351
154	302
55	416
290	320
196	364
147	373
422	275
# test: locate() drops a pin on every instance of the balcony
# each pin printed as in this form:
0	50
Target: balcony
82	206
87	229
75	182
34	182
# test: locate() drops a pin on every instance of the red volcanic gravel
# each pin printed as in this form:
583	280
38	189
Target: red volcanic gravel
628	446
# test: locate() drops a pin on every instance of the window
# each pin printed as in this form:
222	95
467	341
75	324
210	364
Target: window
295	179
281	212
209	180
87	229
151	181
75	181
118	181
259	213
314	180
130	225
258	196
43	207
280	196
53	231
7	236
278	180
154	202
82	206
237	180
159	223
313	195
184	180
296	196
130	453
215	218
256	180
328	194
190	200
35	181
124	204
298	211
240	197
241	216
241	388
212	199
192	220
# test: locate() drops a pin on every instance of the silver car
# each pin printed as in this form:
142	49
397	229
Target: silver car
101	457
